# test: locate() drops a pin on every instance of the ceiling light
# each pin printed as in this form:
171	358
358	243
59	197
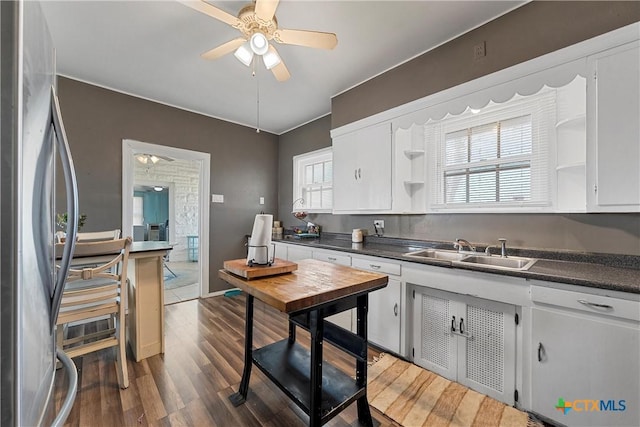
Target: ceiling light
271	59
259	44
244	54
158	188
147	158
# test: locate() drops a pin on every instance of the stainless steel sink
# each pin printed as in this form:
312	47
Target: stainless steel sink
437	254
511	263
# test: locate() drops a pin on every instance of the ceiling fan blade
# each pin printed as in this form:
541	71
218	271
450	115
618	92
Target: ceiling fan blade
214	12
265	9
223	49
281	72
315	39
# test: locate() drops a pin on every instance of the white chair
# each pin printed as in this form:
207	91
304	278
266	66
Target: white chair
99	235
90	236
92	292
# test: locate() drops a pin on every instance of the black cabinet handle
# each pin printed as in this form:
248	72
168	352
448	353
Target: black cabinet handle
453	323
461	325
540	349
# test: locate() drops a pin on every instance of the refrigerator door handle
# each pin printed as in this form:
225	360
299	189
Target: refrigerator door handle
72	372
71	186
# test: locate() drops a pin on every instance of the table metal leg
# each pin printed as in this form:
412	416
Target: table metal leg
316	329
364	413
241	396
292	332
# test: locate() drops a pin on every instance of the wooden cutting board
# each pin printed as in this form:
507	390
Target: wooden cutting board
239	267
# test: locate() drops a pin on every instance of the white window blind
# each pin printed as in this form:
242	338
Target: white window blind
313	180
498	157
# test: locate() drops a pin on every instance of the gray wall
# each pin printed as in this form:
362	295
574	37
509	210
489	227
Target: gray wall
243	162
530	31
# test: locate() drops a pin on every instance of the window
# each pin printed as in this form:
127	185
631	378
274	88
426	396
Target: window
138	210
497	157
313	181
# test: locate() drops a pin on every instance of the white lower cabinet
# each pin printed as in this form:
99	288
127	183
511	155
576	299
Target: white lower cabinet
466	339
385	307
297	253
346	318
586	360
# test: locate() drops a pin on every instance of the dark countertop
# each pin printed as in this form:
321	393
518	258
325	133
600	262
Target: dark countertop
605	271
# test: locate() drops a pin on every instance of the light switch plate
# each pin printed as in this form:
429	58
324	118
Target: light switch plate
217	198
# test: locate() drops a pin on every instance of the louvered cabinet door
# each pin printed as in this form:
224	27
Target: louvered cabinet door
486	346
466	339
434	347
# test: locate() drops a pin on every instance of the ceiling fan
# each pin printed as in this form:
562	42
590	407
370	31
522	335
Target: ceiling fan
258	24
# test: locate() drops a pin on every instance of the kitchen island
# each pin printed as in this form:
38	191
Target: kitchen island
310	294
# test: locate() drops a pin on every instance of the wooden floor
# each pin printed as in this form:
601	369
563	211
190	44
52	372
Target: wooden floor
189	385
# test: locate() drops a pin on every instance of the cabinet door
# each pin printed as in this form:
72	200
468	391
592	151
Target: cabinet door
486	348
384	316
362	169
345	172
281	251
297	253
345	318
374	167
613	139
434	346
581	357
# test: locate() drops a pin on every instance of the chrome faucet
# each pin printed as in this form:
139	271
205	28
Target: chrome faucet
460	243
503	247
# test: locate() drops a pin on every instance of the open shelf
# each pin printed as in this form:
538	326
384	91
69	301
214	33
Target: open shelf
287	365
570	166
413	153
573	120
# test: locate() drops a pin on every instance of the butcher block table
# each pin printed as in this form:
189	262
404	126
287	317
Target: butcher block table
314	291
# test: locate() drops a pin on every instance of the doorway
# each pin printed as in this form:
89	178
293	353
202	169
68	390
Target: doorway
182	176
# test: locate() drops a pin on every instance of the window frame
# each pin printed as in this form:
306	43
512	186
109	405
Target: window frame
300	162
540	159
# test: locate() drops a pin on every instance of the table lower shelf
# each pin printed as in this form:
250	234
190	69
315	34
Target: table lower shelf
288	366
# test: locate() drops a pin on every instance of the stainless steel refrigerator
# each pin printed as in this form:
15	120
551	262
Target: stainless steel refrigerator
32	137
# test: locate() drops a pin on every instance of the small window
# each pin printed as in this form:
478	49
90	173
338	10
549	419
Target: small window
498	157
138	210
313	181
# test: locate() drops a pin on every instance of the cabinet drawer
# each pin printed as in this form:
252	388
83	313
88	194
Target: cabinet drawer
587	302
332	257
375	265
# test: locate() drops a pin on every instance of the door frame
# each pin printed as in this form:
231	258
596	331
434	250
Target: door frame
129	148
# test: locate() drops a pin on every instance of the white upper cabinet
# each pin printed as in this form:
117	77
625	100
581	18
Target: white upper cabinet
362	170
613	121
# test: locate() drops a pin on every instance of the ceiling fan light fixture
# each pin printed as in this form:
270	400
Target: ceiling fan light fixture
244	54
271	59
259	44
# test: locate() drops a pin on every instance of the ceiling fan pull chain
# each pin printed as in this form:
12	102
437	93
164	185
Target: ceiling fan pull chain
257	97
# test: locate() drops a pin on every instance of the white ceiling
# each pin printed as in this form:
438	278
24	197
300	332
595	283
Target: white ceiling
151	49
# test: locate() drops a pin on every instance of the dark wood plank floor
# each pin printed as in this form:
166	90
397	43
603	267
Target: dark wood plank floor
189	385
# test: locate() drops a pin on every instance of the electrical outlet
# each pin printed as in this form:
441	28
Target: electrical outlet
378	223
262	200
479	51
